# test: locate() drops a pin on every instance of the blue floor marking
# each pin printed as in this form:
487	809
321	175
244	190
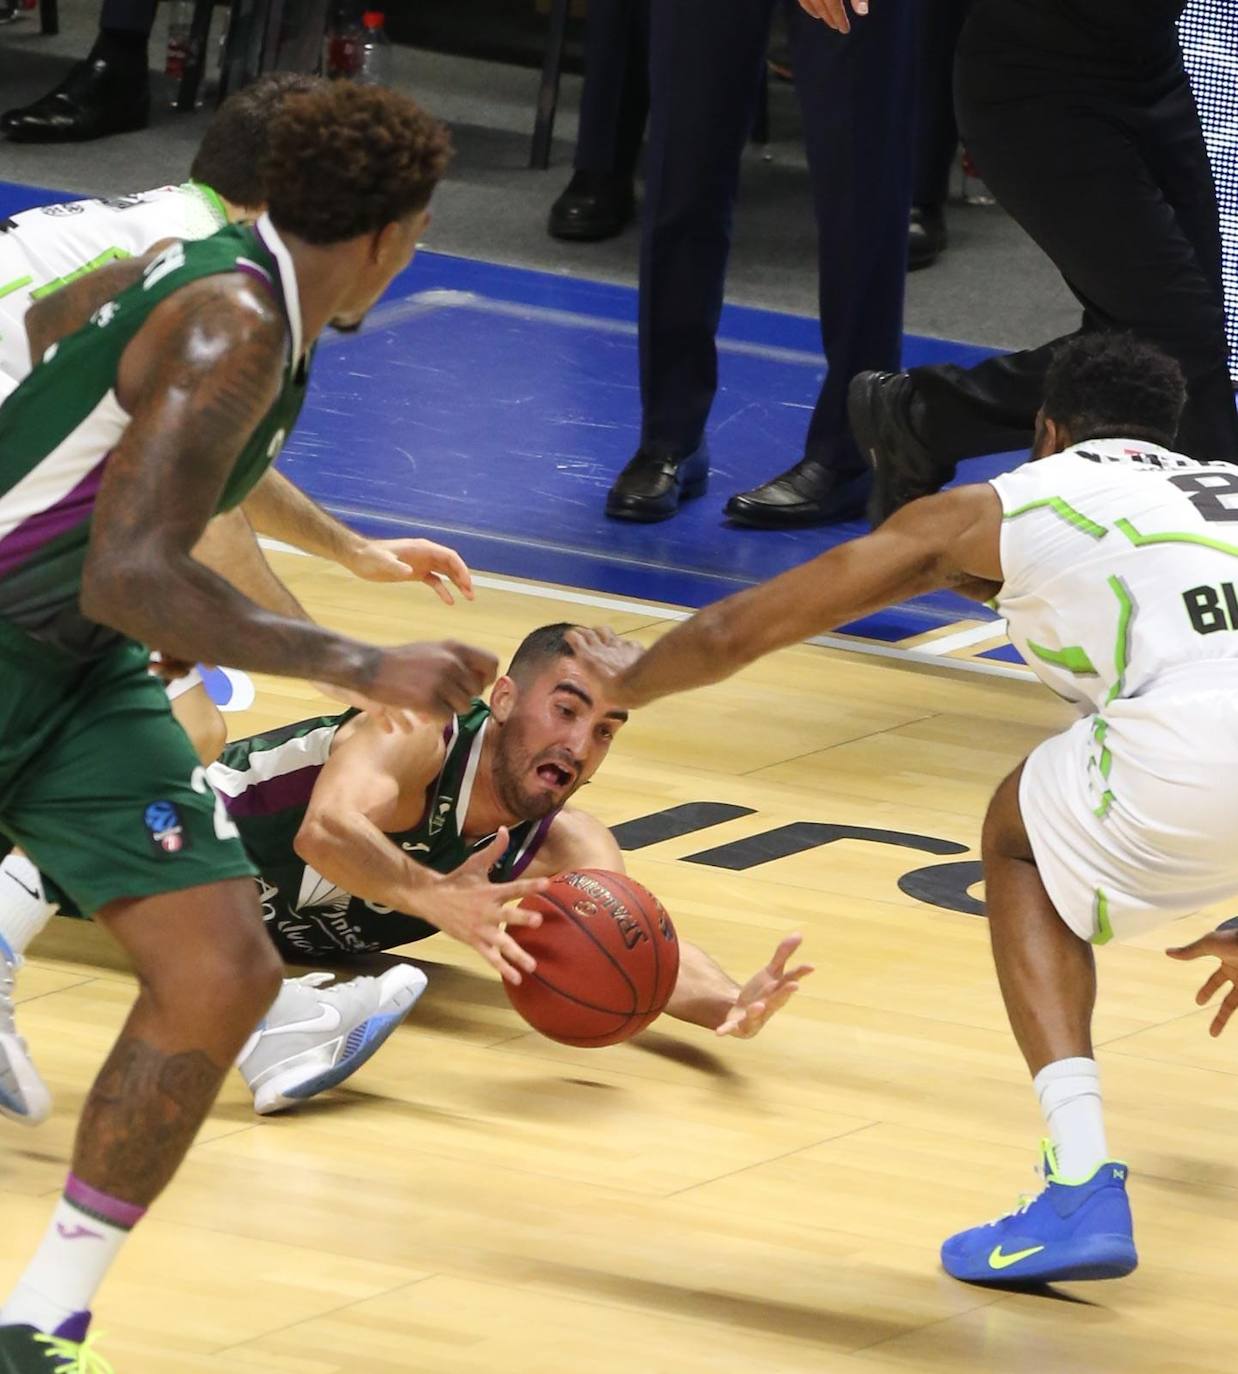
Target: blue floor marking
491	407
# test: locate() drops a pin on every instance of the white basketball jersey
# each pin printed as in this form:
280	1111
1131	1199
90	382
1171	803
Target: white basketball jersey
1120	561
48	247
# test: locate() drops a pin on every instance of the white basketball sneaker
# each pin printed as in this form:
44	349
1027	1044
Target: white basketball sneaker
316	1036
23	1094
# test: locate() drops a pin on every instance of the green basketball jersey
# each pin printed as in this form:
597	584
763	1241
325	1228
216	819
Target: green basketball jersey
266	781
59	427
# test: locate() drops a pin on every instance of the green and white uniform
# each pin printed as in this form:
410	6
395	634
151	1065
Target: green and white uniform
48	247
97	781
265	783
1120	565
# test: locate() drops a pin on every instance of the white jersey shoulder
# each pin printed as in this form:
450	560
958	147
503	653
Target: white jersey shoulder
1119	564
44	248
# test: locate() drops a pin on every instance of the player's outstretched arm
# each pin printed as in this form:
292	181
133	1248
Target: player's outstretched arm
196	380
229	547
375	784
67	309
279	509
705	994
948	540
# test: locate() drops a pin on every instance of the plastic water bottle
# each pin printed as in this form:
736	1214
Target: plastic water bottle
375	66
180	26
342	59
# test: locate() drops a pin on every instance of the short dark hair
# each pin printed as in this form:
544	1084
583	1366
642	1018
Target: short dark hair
539	648
346	160
233	151
1114	386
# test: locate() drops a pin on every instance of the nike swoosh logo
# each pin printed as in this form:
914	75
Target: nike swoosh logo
77	1232
32	891
328	1019
999	1261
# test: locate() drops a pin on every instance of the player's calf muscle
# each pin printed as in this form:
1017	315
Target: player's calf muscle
141	1116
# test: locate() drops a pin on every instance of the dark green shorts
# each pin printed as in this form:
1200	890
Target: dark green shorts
98	782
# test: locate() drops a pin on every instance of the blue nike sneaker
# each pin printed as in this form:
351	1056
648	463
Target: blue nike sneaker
1072	1230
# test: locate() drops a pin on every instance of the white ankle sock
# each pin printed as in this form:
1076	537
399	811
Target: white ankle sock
24	910
1069	1093
82	1240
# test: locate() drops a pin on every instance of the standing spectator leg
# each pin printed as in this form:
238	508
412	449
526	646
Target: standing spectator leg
599	200
856	92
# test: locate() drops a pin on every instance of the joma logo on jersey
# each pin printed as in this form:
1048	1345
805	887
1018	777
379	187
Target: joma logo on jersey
1212	608
440	814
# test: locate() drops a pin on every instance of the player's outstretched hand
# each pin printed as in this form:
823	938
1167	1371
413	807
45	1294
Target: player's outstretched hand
765	992
470	908
438	680
412	560
607	655
834	12
1222	945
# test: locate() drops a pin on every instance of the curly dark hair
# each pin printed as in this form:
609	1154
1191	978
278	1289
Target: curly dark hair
233	149
1114	386
346	160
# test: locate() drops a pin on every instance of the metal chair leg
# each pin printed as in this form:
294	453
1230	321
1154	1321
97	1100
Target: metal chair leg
49	16
548	92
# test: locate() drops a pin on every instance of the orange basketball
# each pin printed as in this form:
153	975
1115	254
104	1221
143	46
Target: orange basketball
607	959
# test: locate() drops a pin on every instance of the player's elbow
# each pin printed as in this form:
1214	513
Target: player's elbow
316	840
120	590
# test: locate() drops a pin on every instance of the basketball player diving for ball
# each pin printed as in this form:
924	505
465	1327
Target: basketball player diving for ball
365	840
148	413
1115	563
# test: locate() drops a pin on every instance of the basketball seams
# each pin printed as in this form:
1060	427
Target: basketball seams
601	948
621	905
637	897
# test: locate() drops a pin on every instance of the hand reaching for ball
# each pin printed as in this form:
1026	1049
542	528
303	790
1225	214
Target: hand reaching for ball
766	992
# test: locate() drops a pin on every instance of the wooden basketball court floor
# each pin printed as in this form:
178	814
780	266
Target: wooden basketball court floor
480	1199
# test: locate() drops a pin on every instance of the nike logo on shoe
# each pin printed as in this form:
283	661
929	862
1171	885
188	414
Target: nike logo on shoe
328	1019
999	1261
76	1232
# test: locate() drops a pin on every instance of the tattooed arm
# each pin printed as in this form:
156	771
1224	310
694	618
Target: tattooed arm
949	540
67	309
196	379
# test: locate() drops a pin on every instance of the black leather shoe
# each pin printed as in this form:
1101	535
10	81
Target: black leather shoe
904	468
96	98
926	236
810	493
655	481
596	205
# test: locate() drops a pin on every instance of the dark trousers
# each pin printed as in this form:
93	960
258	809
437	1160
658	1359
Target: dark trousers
856	95
1096	150
615	100
128	16
939	23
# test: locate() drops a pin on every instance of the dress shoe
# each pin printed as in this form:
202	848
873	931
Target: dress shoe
655	481
96	98
596	205
904	467
926	236
810	493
